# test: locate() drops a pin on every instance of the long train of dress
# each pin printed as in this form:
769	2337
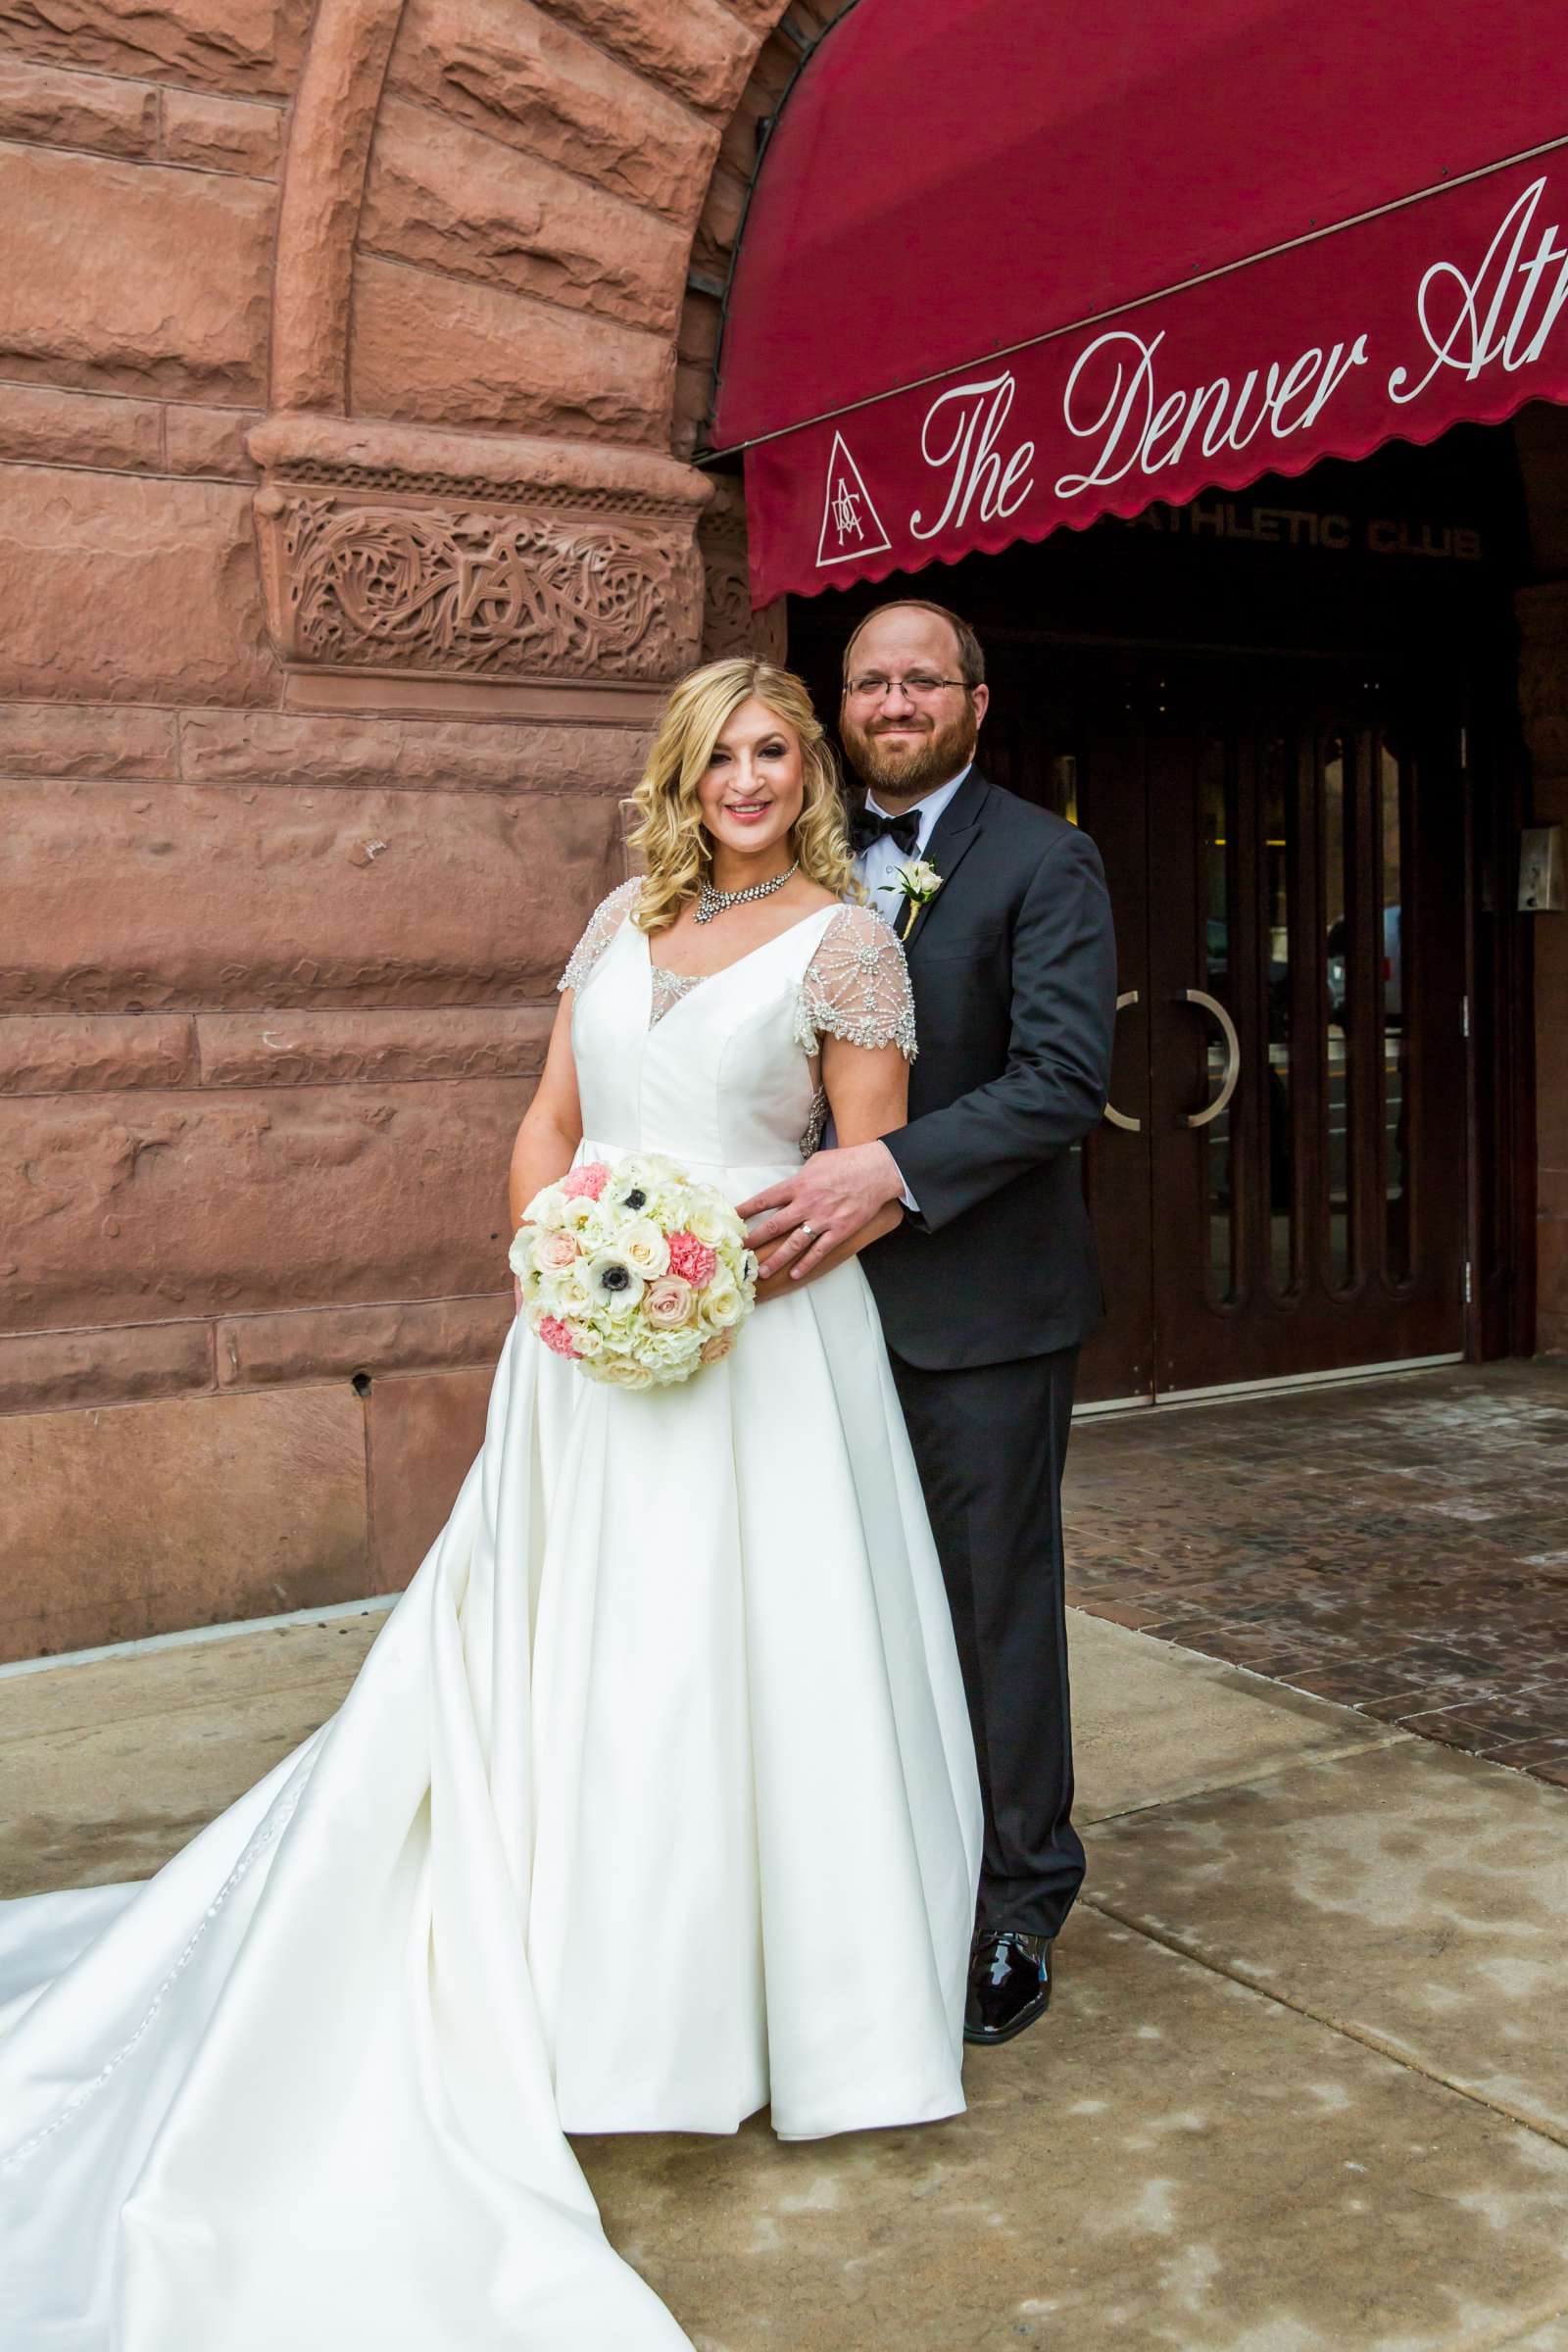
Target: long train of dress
653	1801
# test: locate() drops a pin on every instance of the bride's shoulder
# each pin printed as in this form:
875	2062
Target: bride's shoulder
602	924
622	900
856	985
861	926
857	938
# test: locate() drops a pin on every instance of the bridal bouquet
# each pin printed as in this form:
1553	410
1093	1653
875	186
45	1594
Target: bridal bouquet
636	1274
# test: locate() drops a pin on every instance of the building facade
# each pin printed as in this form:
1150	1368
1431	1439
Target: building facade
352	361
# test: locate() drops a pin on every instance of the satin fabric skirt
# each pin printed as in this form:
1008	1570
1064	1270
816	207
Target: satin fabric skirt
653	1803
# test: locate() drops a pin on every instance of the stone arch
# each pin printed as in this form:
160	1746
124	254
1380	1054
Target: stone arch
505	223
330	128
729	623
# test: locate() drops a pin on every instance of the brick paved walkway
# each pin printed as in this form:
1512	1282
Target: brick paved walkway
1398	1546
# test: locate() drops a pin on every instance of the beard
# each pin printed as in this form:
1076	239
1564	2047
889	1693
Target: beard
905	773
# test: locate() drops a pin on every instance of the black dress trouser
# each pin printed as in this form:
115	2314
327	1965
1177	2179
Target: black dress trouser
990	1445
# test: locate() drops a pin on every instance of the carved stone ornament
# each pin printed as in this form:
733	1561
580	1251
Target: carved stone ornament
729	625
396	553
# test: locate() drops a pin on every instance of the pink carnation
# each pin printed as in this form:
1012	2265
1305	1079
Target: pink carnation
554	1334
589	1180
692	1260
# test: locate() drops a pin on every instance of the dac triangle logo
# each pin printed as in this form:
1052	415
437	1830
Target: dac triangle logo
850	523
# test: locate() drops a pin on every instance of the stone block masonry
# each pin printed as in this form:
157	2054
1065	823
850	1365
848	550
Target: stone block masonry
273	995
344	564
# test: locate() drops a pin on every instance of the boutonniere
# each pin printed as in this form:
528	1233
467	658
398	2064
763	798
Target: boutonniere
920	883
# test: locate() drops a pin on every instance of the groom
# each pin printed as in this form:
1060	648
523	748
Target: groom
990	1285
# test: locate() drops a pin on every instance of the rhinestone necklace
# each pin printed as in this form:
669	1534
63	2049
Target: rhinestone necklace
711	901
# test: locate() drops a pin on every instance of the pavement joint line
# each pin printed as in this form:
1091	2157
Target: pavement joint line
164	1710
232	1630
1247	1775
1170	1942
1520	2328
1264	1392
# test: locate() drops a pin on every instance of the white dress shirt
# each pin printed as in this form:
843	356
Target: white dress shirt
878	868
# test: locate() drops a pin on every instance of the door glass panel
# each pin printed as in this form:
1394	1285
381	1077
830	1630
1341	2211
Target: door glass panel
1339	984
1278	872
1396	1125
1214	891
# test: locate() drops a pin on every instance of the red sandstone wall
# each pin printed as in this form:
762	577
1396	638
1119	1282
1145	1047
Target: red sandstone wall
275	980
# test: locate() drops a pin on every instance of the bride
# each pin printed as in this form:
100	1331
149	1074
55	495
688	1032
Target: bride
654	1802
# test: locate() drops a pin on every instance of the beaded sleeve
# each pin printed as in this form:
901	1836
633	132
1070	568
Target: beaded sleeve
602	924
856	987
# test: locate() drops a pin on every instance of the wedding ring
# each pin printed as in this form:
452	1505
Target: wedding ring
809	1230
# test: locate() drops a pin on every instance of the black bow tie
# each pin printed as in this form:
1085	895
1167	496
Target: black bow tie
870	826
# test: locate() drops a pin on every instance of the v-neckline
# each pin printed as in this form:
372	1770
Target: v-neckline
735	963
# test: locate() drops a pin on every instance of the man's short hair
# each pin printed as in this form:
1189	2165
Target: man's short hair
971	658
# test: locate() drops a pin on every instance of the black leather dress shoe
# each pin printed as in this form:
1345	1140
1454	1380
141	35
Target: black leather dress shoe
1009	1984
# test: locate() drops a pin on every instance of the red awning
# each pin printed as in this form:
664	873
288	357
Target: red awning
1008	266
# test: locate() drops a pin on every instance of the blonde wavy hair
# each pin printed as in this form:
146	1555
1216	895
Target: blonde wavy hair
670	837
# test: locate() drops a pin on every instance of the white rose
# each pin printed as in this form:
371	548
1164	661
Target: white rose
621	1372
713	1222
547	1209
644	1247
722	1301
570	1294
554	1251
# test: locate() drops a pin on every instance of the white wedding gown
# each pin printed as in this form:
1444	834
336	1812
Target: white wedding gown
654	1802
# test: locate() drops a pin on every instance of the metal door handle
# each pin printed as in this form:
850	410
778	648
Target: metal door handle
1119	1118
1233	1056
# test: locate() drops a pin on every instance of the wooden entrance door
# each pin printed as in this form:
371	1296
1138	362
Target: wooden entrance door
1280	1186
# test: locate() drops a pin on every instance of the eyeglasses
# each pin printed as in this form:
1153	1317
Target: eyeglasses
921	686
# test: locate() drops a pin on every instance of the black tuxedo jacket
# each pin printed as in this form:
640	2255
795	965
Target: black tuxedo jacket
1013	965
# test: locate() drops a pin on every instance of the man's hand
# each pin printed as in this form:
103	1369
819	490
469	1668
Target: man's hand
807	1217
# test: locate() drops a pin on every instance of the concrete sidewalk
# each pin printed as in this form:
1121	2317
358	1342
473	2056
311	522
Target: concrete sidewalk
1304	2084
